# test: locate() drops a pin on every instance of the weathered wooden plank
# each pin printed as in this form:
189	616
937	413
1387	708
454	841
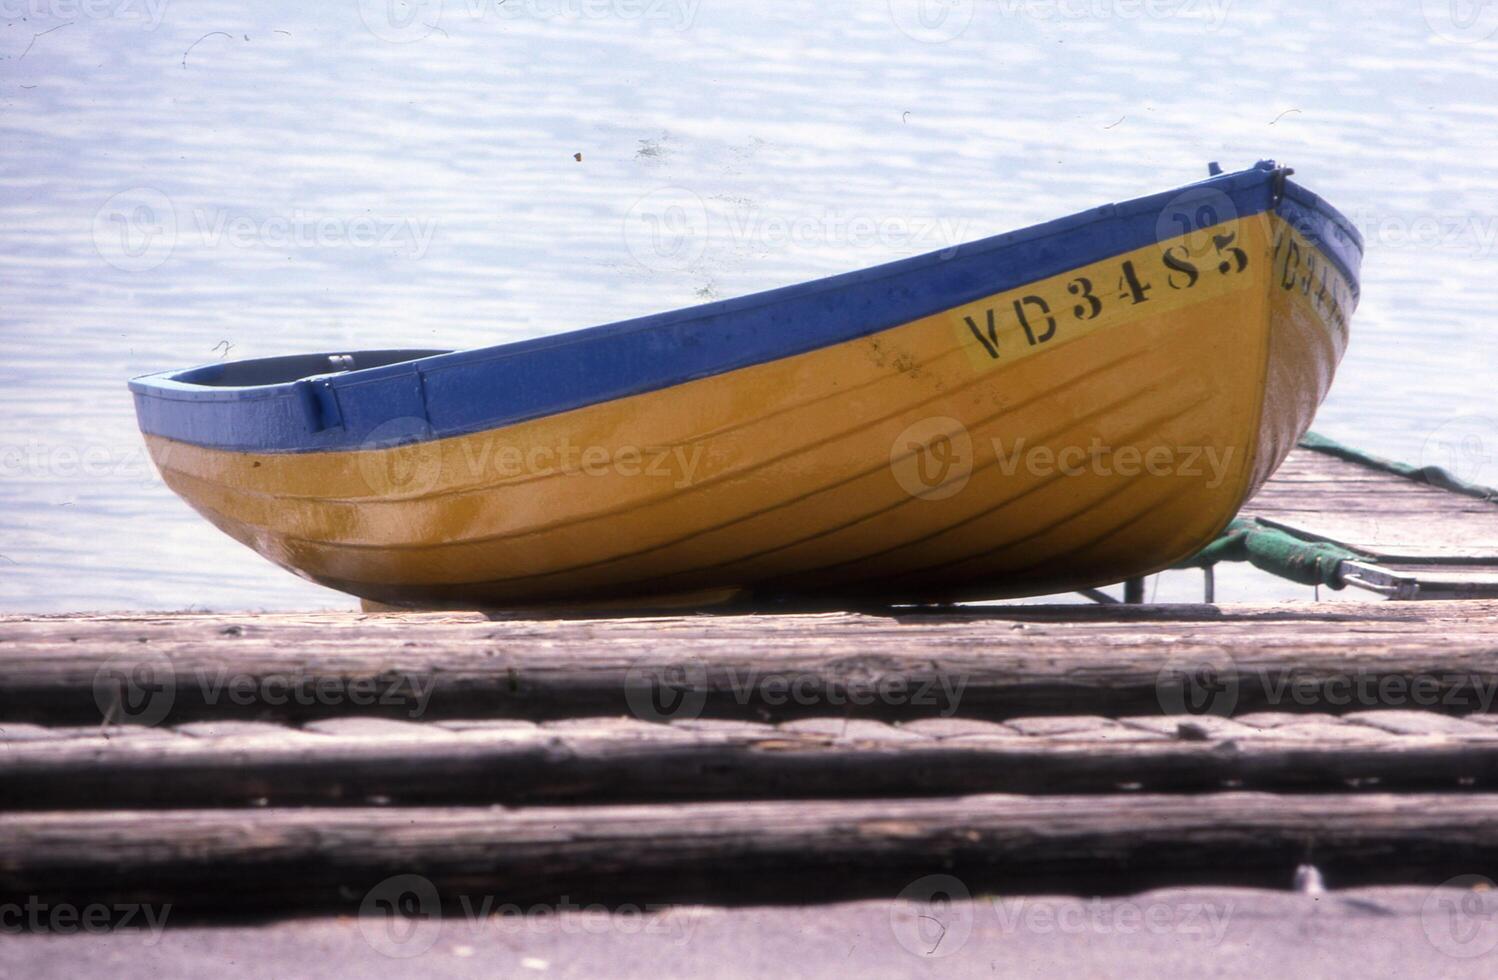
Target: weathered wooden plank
1416	723
1375	511
284	859
614	760
999	662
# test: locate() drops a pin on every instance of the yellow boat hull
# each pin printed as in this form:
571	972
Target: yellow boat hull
1079	430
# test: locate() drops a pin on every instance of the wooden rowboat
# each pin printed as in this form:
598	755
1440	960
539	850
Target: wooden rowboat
1061	407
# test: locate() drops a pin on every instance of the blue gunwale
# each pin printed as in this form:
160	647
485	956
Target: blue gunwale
439	395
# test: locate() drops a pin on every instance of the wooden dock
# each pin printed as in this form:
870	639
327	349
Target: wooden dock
1395	517
735	766
1411	533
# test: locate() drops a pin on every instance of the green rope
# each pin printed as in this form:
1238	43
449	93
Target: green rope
1432	475
1317	562
1276	552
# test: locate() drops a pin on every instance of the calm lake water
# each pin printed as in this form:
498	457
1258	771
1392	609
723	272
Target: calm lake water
181	182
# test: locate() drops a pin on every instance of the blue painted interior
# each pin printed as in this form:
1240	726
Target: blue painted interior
306	404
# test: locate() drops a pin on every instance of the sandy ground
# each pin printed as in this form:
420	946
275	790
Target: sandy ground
1390	932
